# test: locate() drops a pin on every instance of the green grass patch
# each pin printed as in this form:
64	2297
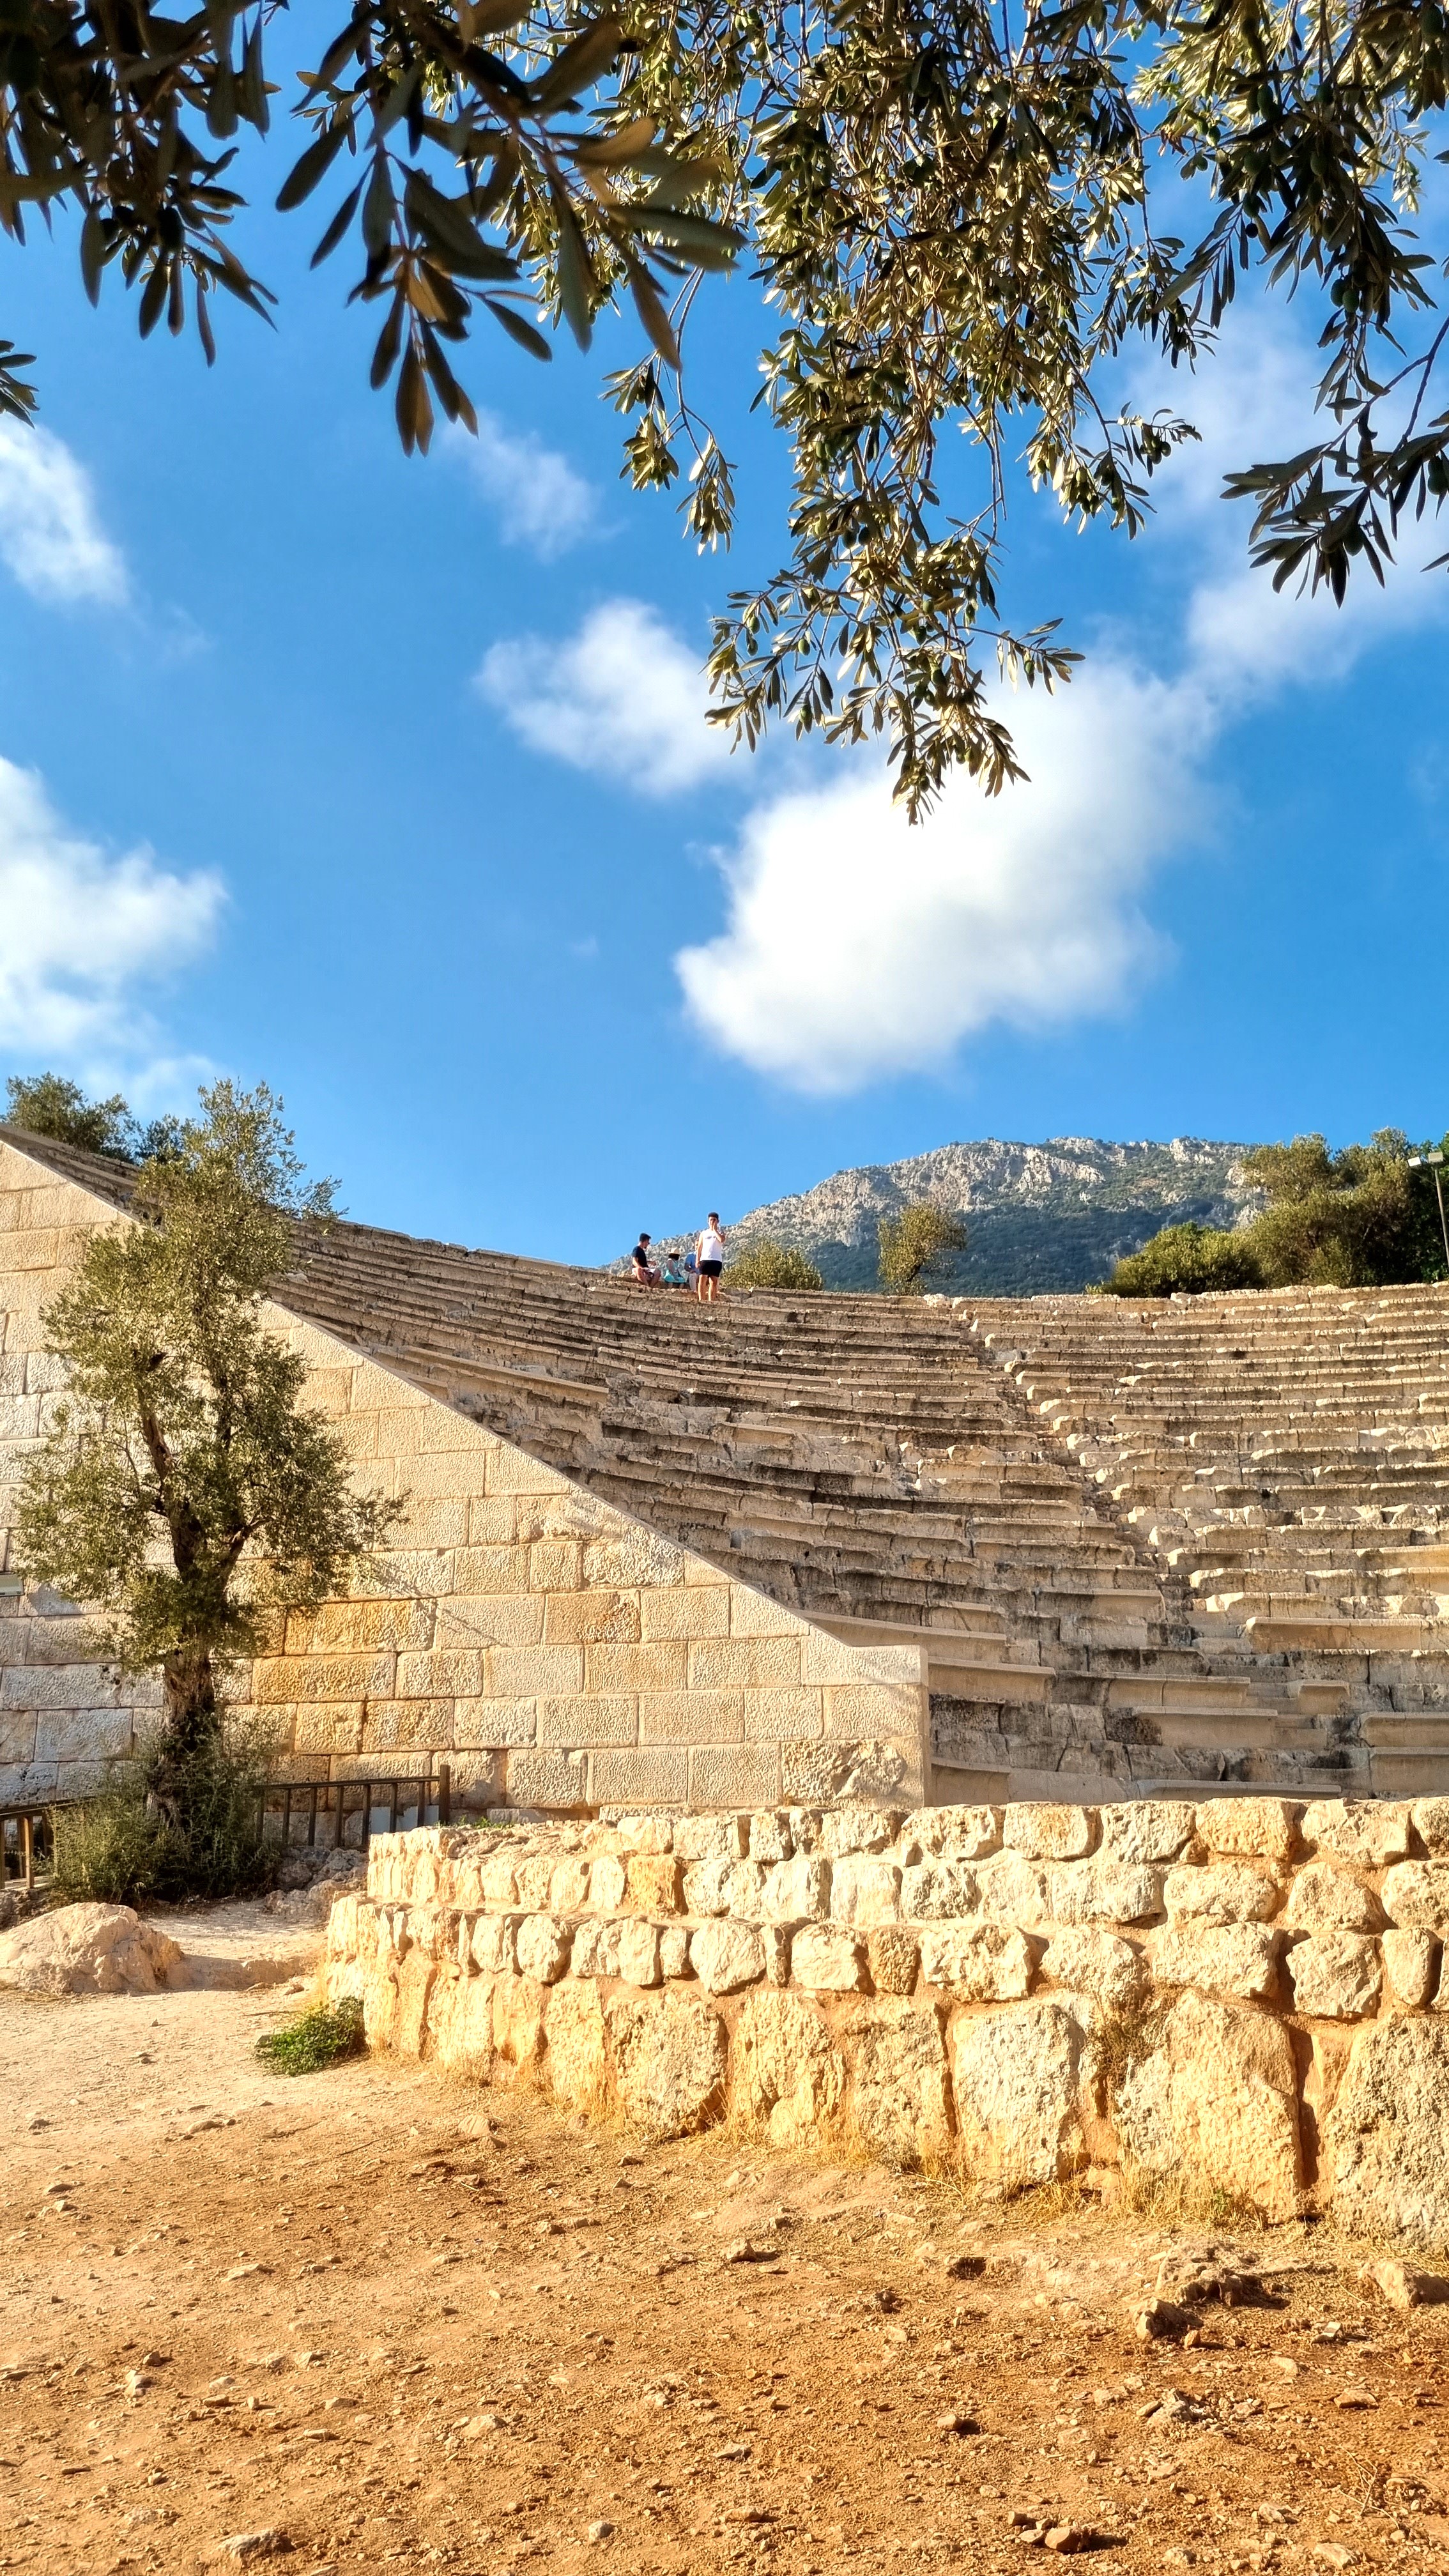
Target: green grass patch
316	2039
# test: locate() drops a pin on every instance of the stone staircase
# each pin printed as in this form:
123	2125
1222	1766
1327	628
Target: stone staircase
1149	1549
925	1471
1283	1458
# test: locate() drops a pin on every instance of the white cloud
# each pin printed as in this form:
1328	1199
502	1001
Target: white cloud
856	946
81	930
50	534
542	502
623	697
859	945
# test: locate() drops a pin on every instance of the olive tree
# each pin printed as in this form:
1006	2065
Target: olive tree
959	215
918	1245
187	1489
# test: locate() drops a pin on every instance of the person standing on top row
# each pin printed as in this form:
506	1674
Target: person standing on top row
710	1254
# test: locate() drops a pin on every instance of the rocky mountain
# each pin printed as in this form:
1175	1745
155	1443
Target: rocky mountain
1039	1217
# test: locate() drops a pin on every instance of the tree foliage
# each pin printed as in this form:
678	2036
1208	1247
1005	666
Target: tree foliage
186	1489
959	216
1360	1218
45	1104
767	1264
1184	1260
917	1246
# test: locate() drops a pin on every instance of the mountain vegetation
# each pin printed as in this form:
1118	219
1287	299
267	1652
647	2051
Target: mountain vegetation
1364	1217
767	1264
1039	1218
959	218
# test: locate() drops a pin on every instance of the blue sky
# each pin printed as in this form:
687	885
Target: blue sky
387	780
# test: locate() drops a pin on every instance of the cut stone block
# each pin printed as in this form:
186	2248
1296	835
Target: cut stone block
1336	1976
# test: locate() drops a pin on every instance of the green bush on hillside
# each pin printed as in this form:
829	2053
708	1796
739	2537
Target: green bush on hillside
1186	1260
1360	1218
767	1264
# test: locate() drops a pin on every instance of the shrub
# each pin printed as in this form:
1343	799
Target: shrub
1187	1260
315	2040
917	1245
121	1849
767	1264
1359	1218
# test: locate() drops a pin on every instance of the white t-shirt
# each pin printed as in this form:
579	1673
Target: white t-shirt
711	1245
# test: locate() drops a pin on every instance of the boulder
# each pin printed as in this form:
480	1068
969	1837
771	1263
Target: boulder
1233	2102
1235	1959
639	1952
1097	1964
938	1891
983	1962
827	1962
1013	1890
1431	1823
1325	1899
726	1956
894	1960
846	1830
798	1890
1336	1976
1149	1829
963	1833
543	1947
788	2075
669	2054
88	1950
1403	2286
1370	1831
1412	1960
1416	1894
1384	2163
461	2040
1261	1828
1104	1891
865	1891
1044	1832
596	1947
576	2061
898	2090
1017	2083
1226	1892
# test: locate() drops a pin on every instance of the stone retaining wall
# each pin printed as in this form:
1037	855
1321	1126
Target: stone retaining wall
1248	1989
555	1651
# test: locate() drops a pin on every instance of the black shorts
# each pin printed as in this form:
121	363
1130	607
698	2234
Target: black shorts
710	1269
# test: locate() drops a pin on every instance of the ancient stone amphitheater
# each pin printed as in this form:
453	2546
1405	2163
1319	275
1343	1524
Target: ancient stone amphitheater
1121	1549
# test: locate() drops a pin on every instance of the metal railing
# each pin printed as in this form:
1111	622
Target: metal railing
27	1843
302	1815
343	1815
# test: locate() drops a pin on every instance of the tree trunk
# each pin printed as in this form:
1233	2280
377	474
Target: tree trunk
190	1727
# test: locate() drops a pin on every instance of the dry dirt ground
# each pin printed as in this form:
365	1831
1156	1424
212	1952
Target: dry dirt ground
394	2325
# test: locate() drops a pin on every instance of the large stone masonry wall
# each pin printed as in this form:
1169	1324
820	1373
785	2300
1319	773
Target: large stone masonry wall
1250	1992
555	1652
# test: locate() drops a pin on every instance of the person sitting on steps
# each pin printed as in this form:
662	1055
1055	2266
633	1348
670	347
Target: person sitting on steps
711	1254
645	1274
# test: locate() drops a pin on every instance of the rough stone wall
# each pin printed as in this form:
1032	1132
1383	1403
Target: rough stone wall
555	1652
1246	1991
